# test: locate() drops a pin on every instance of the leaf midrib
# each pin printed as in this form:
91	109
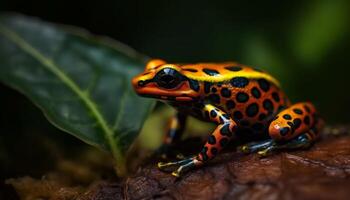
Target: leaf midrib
54	68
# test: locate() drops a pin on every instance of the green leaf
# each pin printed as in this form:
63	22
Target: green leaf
80	82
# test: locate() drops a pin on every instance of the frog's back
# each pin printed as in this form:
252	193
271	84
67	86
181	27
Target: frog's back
221	72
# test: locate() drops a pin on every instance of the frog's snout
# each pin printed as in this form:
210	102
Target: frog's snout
138	82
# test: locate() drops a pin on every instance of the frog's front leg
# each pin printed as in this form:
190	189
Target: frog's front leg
216	141
175	129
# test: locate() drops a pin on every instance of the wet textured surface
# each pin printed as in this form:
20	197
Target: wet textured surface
323	172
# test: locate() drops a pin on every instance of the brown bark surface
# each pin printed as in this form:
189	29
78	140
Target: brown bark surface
321	172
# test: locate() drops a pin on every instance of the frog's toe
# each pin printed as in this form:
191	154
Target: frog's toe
167	166
178	168
171	166
177	173
180	171
183	169
265	152
244	149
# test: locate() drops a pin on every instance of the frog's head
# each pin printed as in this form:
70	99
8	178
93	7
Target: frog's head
165	81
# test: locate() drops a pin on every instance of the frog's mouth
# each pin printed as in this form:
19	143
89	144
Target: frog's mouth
168	98
157	93
150	89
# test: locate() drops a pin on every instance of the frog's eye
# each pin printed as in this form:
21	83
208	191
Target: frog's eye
168	78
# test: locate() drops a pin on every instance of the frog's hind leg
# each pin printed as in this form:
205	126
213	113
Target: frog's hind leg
295	127
302	141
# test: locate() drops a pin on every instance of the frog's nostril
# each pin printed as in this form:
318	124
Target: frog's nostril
141	83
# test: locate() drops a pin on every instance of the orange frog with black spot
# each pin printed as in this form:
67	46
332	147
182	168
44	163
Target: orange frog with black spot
246	104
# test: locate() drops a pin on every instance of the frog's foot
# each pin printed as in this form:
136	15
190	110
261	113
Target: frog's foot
255	146
301	142
178	168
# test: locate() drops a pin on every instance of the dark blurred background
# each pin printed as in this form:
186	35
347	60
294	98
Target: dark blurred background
305	44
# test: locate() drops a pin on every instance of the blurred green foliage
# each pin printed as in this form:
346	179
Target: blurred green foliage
318	29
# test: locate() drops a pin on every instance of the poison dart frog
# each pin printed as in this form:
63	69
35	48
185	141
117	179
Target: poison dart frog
246	104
